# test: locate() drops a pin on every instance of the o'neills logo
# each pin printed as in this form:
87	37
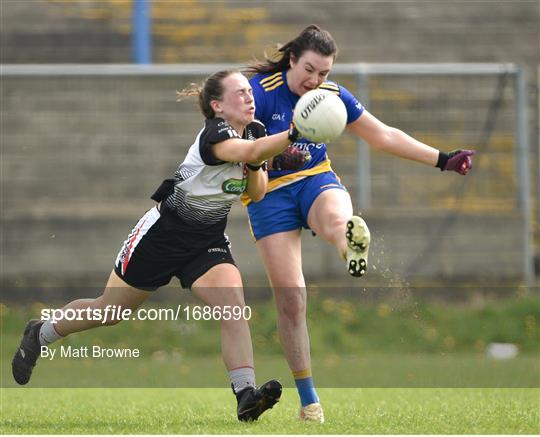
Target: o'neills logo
312	105
234	186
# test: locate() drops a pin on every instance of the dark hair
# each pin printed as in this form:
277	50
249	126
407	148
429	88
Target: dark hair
210	89
311	38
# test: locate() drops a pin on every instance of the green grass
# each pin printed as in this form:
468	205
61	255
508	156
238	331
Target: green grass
402	355
339	326
353	345
212	411
350	371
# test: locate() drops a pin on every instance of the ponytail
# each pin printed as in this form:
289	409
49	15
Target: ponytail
210	89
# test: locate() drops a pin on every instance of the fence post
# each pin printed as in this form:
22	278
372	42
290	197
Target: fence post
141	32
537	240
364	165
523	172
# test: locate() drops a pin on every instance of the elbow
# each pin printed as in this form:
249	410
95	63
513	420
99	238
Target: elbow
386	141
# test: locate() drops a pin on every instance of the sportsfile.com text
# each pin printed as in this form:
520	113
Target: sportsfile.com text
116	312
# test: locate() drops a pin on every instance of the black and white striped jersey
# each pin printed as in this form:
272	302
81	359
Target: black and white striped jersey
205	187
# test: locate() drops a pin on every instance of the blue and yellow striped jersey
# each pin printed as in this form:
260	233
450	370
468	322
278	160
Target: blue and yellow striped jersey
274	105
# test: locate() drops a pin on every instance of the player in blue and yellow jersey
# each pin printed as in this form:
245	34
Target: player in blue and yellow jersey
275	104
306	193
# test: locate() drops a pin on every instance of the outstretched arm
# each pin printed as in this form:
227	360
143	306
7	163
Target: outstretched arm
391	140
253	152
396	142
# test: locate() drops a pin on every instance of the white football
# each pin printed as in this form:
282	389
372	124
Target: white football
320	116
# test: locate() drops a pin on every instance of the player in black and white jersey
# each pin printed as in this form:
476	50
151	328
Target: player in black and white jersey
183	236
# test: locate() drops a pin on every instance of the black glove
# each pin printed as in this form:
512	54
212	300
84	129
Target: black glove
458	160
293	133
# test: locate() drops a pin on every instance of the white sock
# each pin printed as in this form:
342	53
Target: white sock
241	378
47	334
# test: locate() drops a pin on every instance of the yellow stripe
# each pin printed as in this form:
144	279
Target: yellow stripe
274	86
271	82
246	200
276	183
249	223
301	374
329	85
335	91
270	78
330	89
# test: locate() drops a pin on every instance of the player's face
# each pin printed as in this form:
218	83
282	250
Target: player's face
237	105
308	71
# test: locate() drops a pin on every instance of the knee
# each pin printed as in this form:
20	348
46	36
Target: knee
230	297
292	307
333	225
231	308
236	296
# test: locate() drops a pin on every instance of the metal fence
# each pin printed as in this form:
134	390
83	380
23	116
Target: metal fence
87	143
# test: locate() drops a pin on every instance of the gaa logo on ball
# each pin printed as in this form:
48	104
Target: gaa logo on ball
320	116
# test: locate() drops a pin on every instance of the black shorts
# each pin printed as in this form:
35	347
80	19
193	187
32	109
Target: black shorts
158	249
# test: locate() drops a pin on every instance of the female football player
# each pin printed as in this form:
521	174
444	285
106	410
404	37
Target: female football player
183	236
311	196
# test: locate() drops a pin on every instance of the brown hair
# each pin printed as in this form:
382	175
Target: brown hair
311	38
210	89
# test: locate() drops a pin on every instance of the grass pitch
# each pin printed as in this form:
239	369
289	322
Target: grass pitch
212	411
423	356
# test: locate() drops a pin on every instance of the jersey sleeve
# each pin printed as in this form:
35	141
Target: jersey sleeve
354	107
215	131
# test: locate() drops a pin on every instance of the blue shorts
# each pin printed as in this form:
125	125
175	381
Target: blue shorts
287	208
